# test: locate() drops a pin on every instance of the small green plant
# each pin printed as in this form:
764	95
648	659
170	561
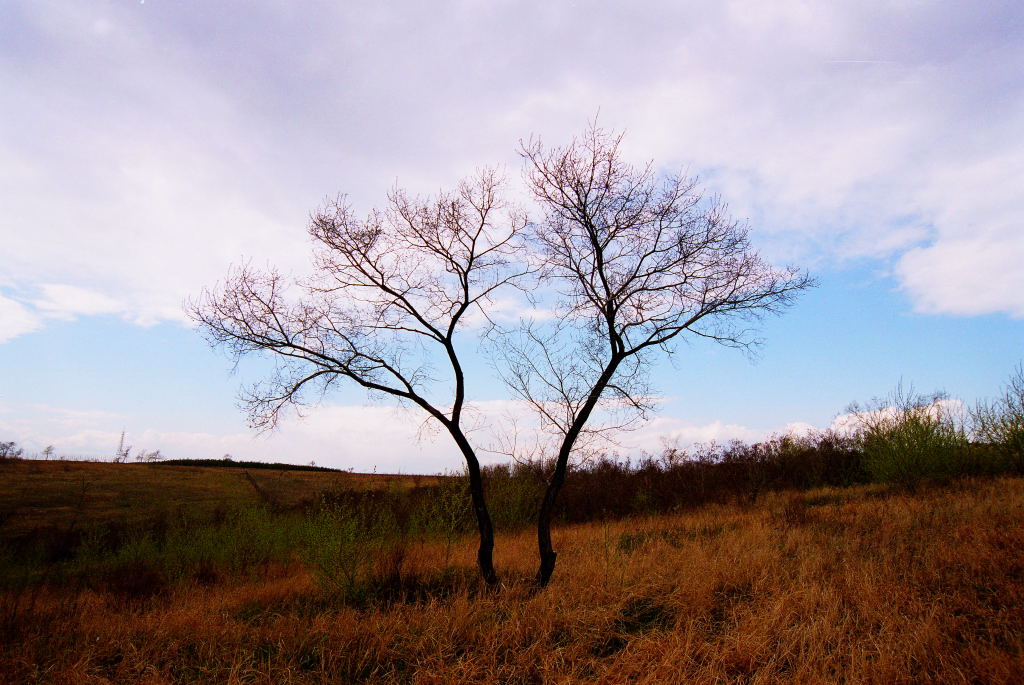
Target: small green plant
907	438
1000	423
513	492
337	551
447	514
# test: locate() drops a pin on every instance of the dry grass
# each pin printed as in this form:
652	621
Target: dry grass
854	585
39	494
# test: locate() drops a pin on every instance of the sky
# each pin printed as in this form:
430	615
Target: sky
147	146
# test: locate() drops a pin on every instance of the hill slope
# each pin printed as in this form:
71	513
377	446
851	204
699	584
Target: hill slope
41	494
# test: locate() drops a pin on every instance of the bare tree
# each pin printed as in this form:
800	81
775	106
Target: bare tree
632	260
10	451
636	260
123	450
388	298
148	457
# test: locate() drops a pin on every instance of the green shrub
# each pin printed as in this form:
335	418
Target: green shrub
1000	423
513	494
907	438
447	514
356	555
177	548
337	551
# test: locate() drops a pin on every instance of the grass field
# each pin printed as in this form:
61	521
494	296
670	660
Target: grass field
861	584
35	493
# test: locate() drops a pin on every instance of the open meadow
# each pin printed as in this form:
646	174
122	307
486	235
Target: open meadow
179	574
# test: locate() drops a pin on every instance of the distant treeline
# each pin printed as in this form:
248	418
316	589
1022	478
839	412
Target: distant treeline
231	463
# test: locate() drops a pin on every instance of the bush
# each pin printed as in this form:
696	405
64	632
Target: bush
337	551
445	513
356	550
513	493
906	438
1000	423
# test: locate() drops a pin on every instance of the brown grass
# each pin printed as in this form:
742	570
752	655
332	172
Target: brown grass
854	585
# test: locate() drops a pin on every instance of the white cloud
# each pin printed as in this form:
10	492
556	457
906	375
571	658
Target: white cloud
128	182
507	310
66	301
843	133
970	274
975	264
799	428
665	430
144	149
852	422
16	319
74	432
345	436
361	437
385	439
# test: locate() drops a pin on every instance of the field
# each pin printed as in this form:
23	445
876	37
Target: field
54	494
868	583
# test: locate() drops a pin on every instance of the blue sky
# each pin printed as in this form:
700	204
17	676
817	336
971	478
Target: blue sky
146	147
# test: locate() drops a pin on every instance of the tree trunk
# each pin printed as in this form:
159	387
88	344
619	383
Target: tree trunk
485	554
547	512
547	507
